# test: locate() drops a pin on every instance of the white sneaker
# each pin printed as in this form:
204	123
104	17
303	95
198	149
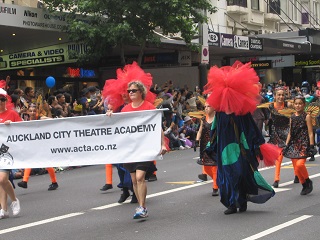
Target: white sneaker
187	147
181	147
15	206
4	214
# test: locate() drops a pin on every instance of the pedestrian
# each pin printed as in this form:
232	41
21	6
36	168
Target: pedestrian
209	165
7	115
300	143
278	128
235	139
24	183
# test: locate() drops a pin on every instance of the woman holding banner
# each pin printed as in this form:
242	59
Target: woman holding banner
7	115
137	93
137	84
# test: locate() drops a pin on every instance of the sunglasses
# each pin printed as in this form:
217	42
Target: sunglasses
3	99
132	90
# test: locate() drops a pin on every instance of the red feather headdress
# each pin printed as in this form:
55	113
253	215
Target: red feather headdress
115	88
234	89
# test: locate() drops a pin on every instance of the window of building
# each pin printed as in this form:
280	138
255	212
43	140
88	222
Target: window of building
241	3
305	18
255	5
274	6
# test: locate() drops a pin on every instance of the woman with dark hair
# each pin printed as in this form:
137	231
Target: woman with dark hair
300	143
56	109
15	99
279	128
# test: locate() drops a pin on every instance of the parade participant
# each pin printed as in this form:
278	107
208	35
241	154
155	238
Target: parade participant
7	115
137	93
235	139
24	183
300	143
116	97
203	137
278	128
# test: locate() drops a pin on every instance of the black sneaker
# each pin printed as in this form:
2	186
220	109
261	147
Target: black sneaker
152	178
312	159
123	197
215	192
275	184
296	179
230	210
134	199
203	177
106	187
23	184
53	186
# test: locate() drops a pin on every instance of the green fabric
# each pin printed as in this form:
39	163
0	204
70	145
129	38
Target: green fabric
243	140
230	154
261	182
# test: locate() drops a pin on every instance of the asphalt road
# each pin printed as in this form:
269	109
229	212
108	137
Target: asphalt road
179	207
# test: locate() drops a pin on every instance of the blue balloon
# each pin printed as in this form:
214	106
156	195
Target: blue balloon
50	82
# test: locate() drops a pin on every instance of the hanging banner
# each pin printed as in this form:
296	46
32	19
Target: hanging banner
77	141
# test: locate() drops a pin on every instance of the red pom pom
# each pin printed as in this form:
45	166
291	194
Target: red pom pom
270	153
234	89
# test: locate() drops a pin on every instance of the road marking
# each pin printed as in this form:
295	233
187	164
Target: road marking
49	220
278	227
183	182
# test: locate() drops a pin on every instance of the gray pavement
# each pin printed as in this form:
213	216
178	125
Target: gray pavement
179	207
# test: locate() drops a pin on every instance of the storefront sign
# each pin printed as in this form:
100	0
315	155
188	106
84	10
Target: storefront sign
214	38
184	58
167	58
261	64
256	44
226	40
56	54
80	73
308	62
241	42
289	45
34	18
280	61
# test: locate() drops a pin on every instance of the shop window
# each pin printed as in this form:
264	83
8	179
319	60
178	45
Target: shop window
241	3
274	6
255	4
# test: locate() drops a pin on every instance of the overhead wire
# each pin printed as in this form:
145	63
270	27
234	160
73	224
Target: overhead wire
300	11
279	14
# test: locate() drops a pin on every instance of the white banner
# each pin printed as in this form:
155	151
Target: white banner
76	141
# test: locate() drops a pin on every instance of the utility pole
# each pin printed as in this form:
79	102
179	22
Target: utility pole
204	61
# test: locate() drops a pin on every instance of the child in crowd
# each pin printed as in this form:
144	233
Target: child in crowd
300	143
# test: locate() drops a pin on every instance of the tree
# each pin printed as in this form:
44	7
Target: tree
105	24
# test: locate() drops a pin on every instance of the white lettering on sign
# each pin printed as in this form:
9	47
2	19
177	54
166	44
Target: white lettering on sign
226	42
241	42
